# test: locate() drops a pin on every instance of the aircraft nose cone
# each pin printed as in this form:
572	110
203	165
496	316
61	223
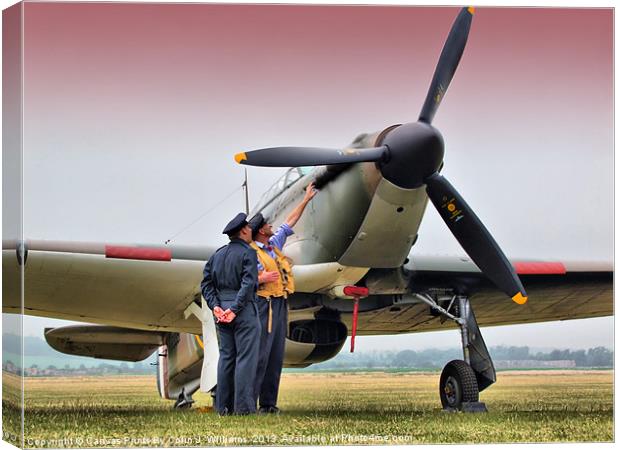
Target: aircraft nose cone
416	151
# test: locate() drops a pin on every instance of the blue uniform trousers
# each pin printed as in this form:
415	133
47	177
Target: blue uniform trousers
236	370
271	355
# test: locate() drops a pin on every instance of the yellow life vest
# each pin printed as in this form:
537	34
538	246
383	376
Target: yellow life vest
285	284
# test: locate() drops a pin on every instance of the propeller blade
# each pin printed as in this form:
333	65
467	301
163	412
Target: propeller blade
474	237
448	62
309	156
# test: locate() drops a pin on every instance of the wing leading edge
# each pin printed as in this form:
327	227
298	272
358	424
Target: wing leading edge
557	291
139	287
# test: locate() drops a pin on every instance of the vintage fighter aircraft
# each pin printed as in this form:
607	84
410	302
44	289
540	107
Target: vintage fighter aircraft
352	265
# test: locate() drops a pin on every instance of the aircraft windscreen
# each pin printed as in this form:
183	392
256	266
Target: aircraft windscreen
290	177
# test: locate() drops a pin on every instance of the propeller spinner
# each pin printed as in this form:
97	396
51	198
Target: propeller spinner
410	156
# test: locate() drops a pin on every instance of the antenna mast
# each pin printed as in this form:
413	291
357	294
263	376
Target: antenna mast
245	188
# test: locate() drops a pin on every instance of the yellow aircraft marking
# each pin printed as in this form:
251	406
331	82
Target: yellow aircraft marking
240	157
519	298
202	346
471	10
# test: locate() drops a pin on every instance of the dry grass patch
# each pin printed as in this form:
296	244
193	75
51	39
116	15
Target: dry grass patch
323	409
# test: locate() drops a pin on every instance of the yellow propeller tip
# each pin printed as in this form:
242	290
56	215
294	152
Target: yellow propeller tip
519	298
240	157
471	10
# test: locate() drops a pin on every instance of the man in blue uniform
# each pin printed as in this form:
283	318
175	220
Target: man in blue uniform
275	284
229	288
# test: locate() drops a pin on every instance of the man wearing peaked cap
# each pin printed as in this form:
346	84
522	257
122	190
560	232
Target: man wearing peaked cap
238	222
275	284
229	287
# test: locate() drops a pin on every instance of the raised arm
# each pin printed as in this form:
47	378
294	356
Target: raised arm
294	216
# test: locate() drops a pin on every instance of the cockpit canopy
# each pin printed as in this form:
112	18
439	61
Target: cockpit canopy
290	177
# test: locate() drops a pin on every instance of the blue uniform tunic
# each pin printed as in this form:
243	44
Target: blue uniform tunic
230	281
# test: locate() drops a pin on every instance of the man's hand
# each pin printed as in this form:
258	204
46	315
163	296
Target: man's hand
268	277
294	216
228	316
218	312
310	192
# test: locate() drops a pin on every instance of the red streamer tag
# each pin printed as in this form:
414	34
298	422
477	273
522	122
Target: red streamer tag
142	253
540	268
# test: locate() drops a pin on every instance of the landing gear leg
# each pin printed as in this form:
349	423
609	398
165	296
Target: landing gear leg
462	380
184	401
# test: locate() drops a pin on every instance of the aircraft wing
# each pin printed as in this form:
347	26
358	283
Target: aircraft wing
140	287
557	291
151	287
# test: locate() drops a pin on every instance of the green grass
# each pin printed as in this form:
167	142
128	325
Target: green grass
11	408
323	408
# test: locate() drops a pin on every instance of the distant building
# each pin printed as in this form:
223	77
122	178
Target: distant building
32	371
533	364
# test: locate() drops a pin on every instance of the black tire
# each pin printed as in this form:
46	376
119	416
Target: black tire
457	384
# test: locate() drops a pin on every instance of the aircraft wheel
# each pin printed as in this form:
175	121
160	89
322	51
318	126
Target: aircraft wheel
457	384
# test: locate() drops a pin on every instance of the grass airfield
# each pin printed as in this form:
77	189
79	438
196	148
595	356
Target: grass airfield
319	409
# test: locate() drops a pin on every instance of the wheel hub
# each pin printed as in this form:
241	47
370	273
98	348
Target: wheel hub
451	390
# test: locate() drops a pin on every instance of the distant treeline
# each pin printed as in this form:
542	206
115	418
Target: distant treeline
32	345
41	360
437	358
593	357
34	370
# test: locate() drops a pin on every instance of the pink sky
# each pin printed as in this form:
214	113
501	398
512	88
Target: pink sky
133	113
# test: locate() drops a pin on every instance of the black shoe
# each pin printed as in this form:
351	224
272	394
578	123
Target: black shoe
224	412
243	413
269	410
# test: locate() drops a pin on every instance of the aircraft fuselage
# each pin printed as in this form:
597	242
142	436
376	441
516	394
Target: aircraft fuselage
358	219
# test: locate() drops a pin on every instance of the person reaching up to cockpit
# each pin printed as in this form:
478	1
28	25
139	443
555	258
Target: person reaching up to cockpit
275	284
